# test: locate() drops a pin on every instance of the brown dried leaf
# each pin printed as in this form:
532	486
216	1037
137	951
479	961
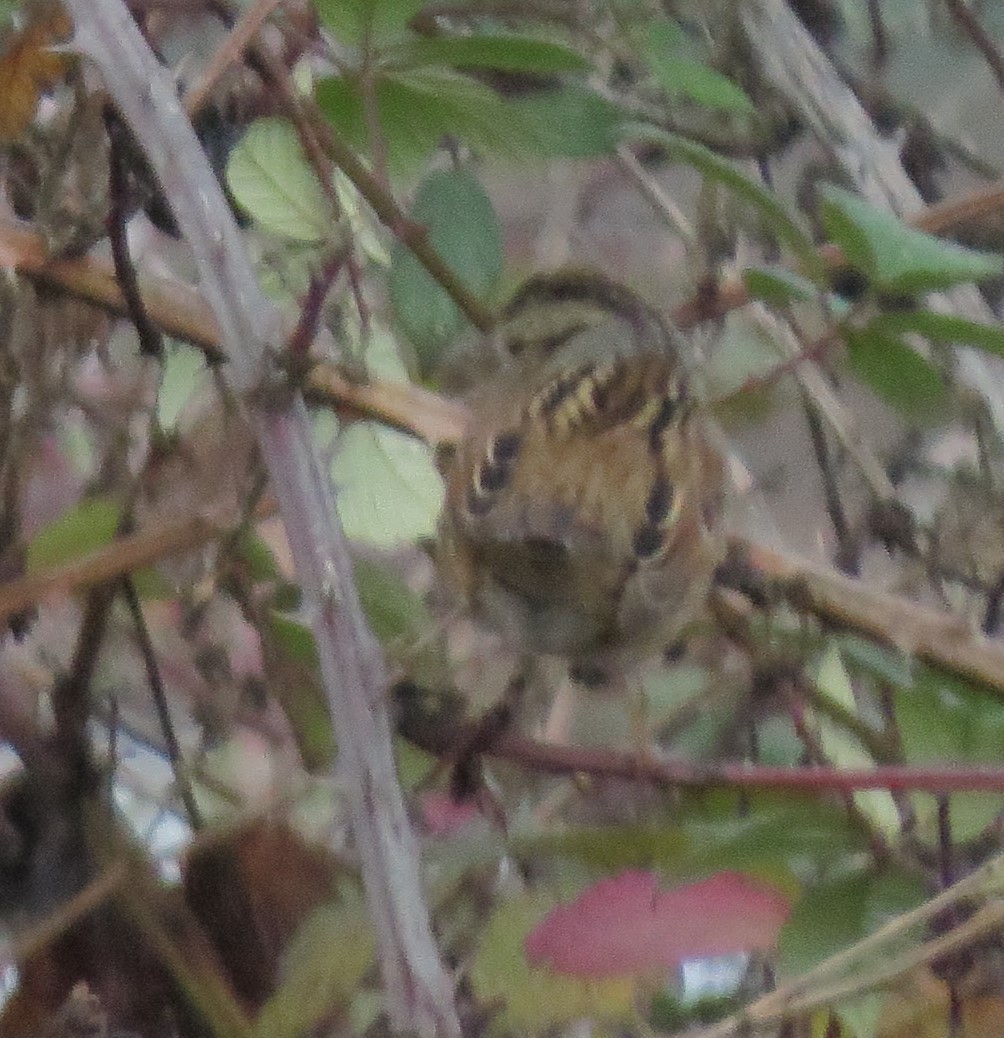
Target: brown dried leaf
29	67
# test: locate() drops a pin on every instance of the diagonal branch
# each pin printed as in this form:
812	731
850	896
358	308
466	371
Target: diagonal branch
419	992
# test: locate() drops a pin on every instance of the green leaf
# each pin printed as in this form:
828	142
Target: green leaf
87	526
713	166
416	108
327	959
181	375
257	557
942	328
842	747
610	848
862	1014
289	644
295	639
394	611
897	258
679	74
834	915
463	228
533	999
389	490
570	121
270	177
353	21
941	719
896	372
778	286
889	665
777	833
507	52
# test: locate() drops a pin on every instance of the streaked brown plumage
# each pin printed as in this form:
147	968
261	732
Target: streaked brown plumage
582	514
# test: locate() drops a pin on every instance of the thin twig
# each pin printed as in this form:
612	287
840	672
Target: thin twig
229	52
847	550
970	25
837	416
880	39
150	340
940	639
159	694
24	946
809	992
598	762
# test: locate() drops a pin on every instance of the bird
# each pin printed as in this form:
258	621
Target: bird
582	513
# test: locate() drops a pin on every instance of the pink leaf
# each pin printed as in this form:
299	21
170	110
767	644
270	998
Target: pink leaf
443	815
624	925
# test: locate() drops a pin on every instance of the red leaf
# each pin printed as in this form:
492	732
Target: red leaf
443	815
624	925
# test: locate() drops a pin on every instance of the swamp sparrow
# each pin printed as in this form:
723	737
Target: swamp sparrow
582	513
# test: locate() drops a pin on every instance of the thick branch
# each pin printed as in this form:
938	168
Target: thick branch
419	992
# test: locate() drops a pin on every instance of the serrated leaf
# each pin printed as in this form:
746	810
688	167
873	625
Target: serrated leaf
87	526
416	108
570	121
680	74
775	215
942	328
270	177
530	999
508	52
461	225
898	373
897	258
389	491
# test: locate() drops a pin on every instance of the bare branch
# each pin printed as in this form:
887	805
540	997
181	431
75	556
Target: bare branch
419	992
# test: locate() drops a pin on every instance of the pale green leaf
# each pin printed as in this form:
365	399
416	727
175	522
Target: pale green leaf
87	526
353	21
942	328
534	999
389	491
681	74
270	177
778	286
181	375
842	748
896	257
322	970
